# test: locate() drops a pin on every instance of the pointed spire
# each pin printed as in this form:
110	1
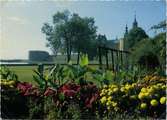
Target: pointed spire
135	15
135	24
126	29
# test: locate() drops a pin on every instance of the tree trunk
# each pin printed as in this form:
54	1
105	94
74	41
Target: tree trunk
78	58
68	48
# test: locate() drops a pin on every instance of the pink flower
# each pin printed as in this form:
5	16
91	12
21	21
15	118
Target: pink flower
23	87
27	89
69	90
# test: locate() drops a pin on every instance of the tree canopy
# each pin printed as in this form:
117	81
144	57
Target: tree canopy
150	47
70	33
135	35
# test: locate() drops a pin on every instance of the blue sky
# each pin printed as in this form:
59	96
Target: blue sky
21	22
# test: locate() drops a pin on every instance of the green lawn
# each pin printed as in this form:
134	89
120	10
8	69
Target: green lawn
25	73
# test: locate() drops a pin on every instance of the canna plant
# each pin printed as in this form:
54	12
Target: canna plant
44	81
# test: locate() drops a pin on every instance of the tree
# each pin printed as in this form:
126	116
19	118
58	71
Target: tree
159	42
135	35
161	25
70	33
83	34
57	34
101	40
150	49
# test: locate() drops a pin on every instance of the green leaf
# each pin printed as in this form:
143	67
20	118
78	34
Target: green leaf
84	60
38	81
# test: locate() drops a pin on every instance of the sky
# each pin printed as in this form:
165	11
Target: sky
21	21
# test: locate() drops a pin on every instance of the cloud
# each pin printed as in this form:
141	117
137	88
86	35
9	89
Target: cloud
17	20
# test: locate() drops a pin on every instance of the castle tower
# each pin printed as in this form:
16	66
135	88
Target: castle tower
135	24
123	41
126	30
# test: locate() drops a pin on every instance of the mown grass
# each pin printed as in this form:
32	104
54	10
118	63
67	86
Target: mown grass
25	73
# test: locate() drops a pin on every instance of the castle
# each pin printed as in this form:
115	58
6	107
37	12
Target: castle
122	43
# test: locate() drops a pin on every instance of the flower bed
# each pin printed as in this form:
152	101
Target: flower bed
80	92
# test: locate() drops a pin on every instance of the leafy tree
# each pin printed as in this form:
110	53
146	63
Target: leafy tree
56	33
83	34
161	25
159	42
70	33
101	40
135	35
150	49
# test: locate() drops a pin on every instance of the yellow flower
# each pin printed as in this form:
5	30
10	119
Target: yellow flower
122	89
110	90
155	87
114	104
104	91
109	93
146	94
108	103
150	90
127	86
134	84
5	83
103	99
144	90
163	87
163	100
104	86
109	98
11	82
101	94
115	89
159	84
154	102
143	106
141	96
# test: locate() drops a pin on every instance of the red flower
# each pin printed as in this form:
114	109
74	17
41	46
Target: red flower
24	86
49	92
27	89
69	90
89	95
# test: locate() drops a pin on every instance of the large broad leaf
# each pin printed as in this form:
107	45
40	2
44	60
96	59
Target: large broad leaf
39	81
84	60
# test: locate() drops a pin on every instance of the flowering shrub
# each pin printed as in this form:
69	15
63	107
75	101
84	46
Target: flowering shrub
145	98
69	90
27	89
